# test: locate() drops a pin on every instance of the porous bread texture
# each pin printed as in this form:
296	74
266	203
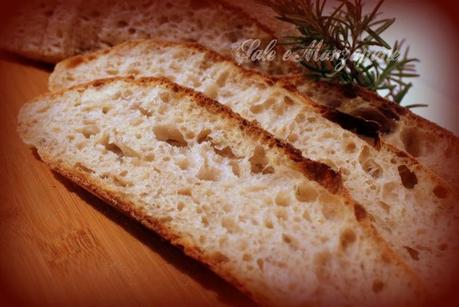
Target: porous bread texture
74	26
431	145
413	209
24	30
221	188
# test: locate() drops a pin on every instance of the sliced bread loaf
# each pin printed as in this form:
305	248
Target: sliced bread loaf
413	209
53	30
23	31
276	225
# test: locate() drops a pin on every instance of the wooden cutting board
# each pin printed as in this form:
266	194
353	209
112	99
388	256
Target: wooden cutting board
59	245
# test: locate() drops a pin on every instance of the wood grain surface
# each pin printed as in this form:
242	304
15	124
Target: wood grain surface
59	245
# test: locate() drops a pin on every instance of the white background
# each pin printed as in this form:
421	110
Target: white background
432	40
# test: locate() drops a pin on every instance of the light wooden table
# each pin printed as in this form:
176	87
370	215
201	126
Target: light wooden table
59	245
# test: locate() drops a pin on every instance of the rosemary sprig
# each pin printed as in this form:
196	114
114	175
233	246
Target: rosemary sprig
353	33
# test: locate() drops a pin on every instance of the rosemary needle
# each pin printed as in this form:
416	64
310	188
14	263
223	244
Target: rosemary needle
354	32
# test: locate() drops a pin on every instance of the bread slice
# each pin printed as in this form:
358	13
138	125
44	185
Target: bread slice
276	225
77	26
23	32
435	147
413	209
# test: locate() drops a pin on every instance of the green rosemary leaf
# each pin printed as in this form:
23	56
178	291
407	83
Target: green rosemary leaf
378	40
347	27
416	105
399	96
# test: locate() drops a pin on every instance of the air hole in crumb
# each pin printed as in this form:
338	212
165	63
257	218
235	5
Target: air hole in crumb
142	110
409	179
440	192
121	24
184	164
300	118
321	261
126	94
230	224
289	240
211	91
235	168
163	19
280	108
377	286
81	145
44	108
180	206
331	206
260	264
269	224
258	108
414	254
131	30
281	214
203	136
121	181
170	135
165	97
305	193
190	135
222	78
259	162
184	191
283	198
385	206
288	101
411	140
347	237
350	147
89	130
372	168
306	215
106	109
112	71
208	173
368	164
83	168
443	246
218	257
292	138
149	157
225	152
